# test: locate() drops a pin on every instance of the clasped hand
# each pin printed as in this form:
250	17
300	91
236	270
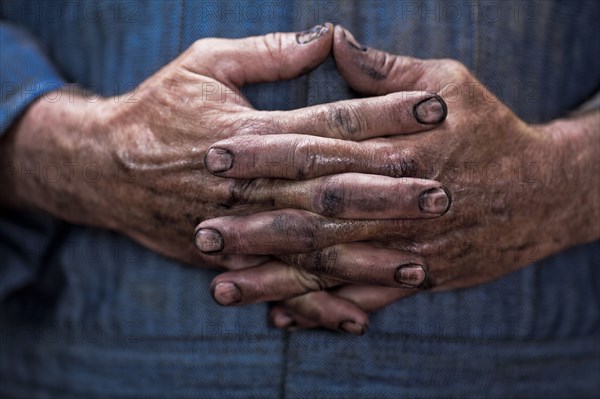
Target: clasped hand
333	210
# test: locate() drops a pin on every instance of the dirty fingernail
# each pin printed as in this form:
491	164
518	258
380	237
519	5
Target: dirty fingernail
411	275
209	240
311	34
352	42
218	160
352	327
431	111
435	201
227	293
283	320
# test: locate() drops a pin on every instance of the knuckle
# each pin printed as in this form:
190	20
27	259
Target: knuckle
304	159
209	56
241	192
454	68
390	64
398	110
248	124
329	197
197	46
300	228
404	163
412	69
345	120
307	239
378	66
272	45
323	262
308	281
201	46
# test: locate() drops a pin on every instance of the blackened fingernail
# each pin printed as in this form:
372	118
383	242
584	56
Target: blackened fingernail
226	293
431	111
435	201
283	320
209	240
311	34
218	160
410	275
352	327
352	42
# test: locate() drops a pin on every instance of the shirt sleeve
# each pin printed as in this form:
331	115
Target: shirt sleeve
25	73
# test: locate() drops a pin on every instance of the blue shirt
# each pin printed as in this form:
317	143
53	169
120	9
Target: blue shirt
89	313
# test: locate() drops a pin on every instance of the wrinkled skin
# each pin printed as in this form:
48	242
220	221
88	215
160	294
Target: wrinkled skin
518	193
138	163
318	183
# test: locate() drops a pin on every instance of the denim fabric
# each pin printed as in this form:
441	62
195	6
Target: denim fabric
26	73
89	313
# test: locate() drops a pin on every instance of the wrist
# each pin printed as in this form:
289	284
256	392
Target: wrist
572	180
52	156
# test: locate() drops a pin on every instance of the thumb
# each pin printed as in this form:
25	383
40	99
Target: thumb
374	72
268	58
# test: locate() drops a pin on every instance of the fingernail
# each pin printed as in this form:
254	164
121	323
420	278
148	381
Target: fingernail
435	201
411	275
431	111
352	327
209	240
352	42
218	160
226	293
283	320
311	34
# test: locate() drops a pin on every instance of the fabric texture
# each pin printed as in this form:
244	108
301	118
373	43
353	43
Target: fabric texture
26	73
89	313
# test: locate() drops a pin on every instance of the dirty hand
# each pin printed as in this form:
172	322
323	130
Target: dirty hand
518	193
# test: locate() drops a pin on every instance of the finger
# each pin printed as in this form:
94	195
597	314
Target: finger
277	232
367	298
364	264
272	281
268	58
290	231
324	310
356	119
348	195
358	263
376	72
300	157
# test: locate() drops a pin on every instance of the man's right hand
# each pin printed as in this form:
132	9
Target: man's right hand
140	164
